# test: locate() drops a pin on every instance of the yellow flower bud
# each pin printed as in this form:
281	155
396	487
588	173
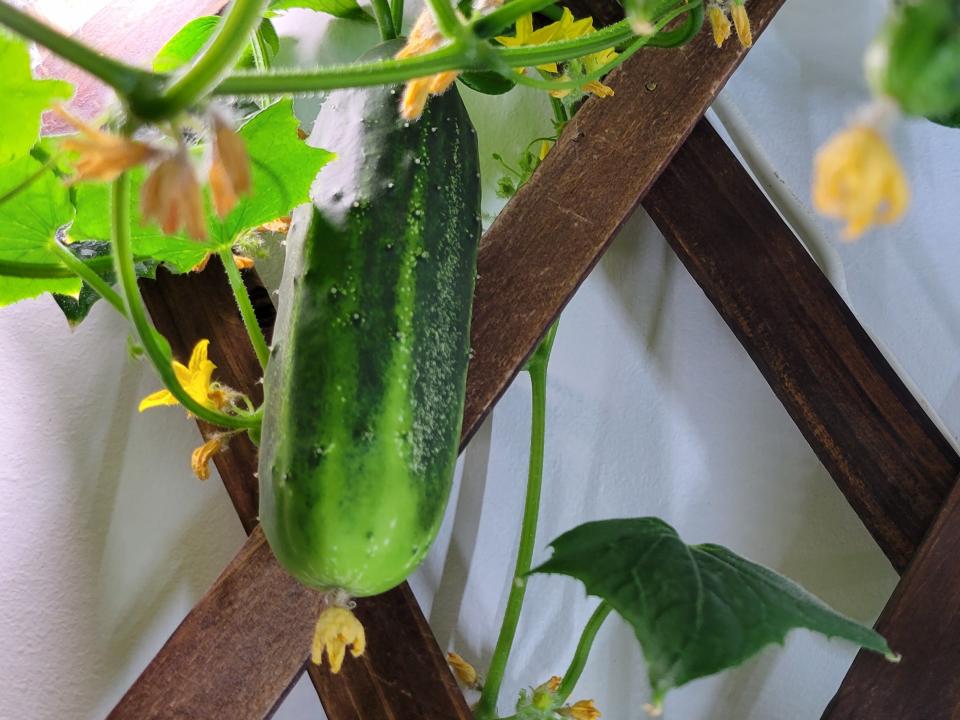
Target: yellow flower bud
719	23
857	178
337	628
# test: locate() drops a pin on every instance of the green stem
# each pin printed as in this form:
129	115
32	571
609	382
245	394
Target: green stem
579	661
209	68
638	44
120	76
537	368
261	58
46	270
446	17
381	11
683	34
148	336
396	12
451	57
81	269
246	307
486	26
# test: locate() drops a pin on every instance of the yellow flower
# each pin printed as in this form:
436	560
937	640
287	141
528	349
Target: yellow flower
424	37
102	156
581	710
741	21
201	457
566	28
525	35
858	179
230	167
719	23
336	629
172	197
465	672
196	379
553	684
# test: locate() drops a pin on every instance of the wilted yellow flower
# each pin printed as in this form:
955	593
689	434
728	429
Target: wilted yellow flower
741	21
424	37
172	197
858	179
201	457
465	672
229	168
581	710
553	684
336	629
719	23
196	378
102	156
240	261
280	225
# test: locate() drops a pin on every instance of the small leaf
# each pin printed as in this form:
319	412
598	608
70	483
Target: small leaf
190	39
77	308
348	9
24	99
29	222
696	609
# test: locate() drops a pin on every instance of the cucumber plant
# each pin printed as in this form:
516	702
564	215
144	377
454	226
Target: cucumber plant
365	381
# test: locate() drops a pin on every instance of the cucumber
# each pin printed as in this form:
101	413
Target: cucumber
365	386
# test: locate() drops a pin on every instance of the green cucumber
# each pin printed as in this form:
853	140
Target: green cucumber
367	375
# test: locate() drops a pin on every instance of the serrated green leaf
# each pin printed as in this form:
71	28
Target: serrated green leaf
282	168
348	9
696	609
190	39
24	99
29	222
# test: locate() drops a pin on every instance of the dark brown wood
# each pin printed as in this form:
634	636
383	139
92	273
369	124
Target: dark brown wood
886	455
921	623
532	260
403	675
546	241
248	638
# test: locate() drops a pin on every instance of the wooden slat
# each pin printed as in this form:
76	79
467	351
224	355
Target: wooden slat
546	241
921	623
886	455
531	262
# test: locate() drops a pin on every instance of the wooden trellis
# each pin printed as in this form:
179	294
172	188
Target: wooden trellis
245	643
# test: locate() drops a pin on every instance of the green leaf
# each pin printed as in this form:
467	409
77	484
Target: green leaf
348	9
190	39
29	221
24	99
77	308
696	609
282	169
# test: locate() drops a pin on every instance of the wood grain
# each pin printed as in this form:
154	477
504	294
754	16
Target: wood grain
532	260
548	238
886	455
921	623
